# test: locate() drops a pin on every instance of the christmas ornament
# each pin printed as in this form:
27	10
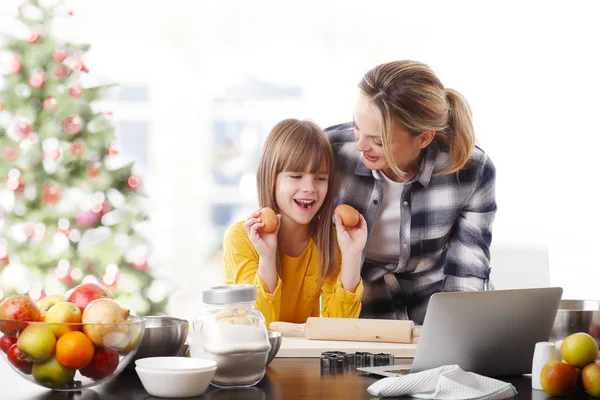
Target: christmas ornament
52	155
79	66
22	129
51	194
1	106
77	149
15	66
87	218
70	13
50	103
76	91
37	79
64	226
33	37
29	230
101	208
73	125
112	150
10	154
134	181
61	71
141	264
15	184
93	169
59	54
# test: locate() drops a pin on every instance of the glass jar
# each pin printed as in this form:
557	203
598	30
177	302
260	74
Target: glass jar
233	333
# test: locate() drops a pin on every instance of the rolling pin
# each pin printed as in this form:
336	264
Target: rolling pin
351	329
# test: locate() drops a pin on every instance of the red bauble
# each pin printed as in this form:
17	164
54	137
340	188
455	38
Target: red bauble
113	151
79	66
37	79
87	218
10	154
134	181
22	129
77	149
73	125
51	194
33	37
101	208
16	185
141	264
1	106
15	66
50	103
93	169
76	91
61	71
59	54
52	154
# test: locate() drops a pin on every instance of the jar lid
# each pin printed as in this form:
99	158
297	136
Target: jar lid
227	294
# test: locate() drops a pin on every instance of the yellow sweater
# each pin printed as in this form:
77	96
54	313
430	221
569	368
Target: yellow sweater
297	294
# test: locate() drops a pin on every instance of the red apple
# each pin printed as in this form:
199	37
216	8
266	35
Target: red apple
19	360
84	294
17	308
558	378
104	363
7	341
590	377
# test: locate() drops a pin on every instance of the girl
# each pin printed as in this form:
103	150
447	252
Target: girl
300	262
408	162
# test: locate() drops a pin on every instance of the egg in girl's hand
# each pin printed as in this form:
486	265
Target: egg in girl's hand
269	218
348	215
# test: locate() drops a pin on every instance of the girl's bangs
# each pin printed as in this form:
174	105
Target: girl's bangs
308	157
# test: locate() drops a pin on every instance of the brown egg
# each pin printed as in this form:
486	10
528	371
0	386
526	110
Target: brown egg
269	218
348	215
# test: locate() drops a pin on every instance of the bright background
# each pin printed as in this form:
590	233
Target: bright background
203	82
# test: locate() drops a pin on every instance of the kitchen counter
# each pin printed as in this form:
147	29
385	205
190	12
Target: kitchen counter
287	378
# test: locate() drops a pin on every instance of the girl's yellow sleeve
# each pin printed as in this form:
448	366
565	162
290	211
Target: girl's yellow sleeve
240	265
337	302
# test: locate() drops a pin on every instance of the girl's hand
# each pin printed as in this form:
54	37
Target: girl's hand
265	243
352	241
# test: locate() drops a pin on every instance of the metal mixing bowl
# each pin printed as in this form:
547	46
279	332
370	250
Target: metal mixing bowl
275	340
163	336
576	316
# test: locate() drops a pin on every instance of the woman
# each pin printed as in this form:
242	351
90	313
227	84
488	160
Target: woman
408	163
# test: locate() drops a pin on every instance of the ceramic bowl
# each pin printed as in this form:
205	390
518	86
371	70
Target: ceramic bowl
53	355
175	377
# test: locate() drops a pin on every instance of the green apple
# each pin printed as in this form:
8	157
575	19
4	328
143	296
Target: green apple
37	342
47	302
51	374
61	313
579	349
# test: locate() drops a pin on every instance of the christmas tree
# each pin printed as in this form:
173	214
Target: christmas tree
70	210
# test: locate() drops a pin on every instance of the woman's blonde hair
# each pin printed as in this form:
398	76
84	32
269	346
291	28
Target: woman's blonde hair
408	92
300	146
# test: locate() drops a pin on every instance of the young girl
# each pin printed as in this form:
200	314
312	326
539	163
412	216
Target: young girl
300	262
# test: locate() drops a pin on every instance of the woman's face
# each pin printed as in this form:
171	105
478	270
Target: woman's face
367	130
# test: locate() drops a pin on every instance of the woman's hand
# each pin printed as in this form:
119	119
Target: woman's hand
352	241
265	243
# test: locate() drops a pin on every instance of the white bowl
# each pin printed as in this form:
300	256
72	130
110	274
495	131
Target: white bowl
175	378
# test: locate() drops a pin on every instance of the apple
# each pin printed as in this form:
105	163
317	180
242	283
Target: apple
51	374
47	302
19	360
134	335
17	308
558	378
104	317
590	377
579	349
104	363
7	341
61	315
84	294
37	342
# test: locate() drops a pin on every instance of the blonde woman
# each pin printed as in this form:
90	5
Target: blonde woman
300	262
409	164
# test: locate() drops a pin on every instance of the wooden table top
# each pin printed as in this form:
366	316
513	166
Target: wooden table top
286	378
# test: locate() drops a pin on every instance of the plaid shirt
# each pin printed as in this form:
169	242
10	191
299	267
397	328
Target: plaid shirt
445	229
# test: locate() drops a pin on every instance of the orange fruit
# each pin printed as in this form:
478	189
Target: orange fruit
74	350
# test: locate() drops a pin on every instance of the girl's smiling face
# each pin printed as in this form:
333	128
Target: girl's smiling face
299	195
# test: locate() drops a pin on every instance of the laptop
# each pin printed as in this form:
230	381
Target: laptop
492	333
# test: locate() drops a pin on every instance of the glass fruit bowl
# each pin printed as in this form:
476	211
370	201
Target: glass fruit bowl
69	356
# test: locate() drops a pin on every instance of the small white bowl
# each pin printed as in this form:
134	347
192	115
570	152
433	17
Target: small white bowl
175	378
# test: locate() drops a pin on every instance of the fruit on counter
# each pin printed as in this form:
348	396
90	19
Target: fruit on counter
17	308
558	378
63	312
104	363
579	349
74	350
590	377
51	374
47	302
348	214
134	335
269	218
103	316
37	342
84	294
19	360
7	341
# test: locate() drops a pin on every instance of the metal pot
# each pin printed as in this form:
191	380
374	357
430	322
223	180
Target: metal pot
576	316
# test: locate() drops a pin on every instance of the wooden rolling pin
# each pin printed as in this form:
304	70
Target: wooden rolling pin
352	329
